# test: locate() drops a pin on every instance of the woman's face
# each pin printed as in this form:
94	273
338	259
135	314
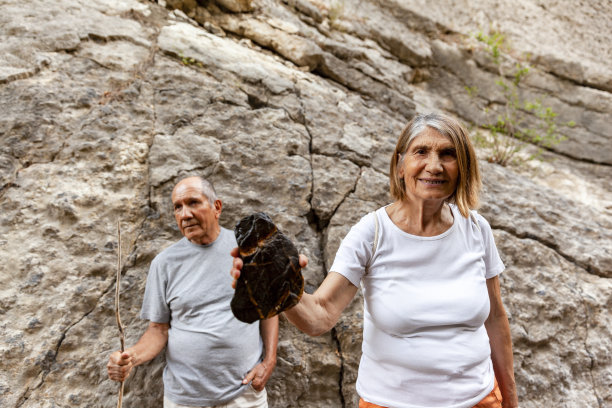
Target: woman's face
429	167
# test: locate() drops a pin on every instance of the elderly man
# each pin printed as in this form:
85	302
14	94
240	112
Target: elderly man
211	357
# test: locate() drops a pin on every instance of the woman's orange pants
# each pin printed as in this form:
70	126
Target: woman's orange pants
493	400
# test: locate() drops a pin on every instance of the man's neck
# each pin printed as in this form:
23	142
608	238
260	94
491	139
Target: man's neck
208	239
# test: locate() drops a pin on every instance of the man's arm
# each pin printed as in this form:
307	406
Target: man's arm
498	330
261	373
151	343
269	335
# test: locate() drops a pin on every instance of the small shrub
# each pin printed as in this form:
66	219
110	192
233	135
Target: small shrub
510	133
189	61
336	10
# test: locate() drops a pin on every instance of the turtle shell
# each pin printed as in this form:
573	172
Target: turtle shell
270	280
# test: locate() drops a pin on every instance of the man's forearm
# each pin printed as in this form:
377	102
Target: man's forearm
150	344
269	335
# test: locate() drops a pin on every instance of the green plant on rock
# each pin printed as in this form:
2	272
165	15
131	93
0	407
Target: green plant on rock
494	43
189	60
515	127
336	10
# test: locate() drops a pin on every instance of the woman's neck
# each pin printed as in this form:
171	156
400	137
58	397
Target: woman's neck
421	218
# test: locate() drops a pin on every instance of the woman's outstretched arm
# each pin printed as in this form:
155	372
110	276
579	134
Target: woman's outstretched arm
318	313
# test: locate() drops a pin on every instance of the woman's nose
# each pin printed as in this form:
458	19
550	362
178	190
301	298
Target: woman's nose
434	164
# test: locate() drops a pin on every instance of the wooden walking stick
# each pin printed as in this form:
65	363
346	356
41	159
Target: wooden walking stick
121	334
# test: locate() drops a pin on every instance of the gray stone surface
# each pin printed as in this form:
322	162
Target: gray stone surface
291	107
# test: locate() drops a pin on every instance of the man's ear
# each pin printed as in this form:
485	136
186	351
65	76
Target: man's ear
218	207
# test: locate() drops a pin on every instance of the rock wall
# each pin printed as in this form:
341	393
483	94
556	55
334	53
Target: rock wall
291	107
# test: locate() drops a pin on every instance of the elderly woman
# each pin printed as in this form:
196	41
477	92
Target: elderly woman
435	330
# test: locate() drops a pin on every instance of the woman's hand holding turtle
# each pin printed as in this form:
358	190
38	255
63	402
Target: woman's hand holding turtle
237	265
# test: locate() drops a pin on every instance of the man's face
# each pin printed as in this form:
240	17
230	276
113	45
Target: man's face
197	219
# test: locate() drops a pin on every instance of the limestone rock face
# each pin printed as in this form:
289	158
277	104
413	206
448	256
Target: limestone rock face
292	107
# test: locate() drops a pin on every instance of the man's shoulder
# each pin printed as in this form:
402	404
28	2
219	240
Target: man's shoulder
171	250
227	238
225	242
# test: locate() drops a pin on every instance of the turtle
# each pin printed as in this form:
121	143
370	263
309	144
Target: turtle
271	280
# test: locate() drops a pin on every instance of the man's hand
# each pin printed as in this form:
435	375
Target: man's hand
237	265
259	376
120	365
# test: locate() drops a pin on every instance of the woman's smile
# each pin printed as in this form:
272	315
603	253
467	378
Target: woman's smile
432	182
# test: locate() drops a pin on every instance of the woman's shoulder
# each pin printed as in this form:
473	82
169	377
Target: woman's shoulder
482	221
366	227
368	221
478	223
474	218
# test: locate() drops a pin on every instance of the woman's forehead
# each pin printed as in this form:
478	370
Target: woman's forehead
430	137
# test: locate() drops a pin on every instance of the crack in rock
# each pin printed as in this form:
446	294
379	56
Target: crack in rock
51	357
588	352
527	235
336	340
28	73
319	229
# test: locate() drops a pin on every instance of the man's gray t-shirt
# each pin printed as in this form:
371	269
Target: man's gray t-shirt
209	351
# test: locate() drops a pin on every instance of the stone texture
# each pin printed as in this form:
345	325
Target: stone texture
291	107
237	6
333	180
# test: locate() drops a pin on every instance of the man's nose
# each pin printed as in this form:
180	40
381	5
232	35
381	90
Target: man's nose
185	212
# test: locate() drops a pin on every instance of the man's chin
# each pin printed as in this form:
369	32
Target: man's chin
196	239
191	234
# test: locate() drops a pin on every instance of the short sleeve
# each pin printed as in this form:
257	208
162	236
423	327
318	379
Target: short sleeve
355	250
493	263
154	305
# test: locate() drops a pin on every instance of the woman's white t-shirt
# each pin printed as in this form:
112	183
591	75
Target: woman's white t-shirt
425	304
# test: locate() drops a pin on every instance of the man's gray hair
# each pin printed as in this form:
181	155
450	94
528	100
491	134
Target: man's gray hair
208	190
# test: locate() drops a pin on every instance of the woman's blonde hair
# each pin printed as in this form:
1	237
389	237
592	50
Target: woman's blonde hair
468	183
